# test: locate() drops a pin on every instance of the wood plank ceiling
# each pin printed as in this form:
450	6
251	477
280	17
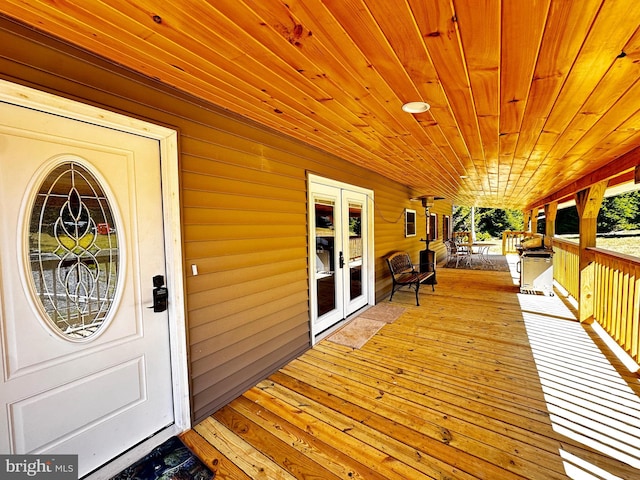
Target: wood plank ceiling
526	96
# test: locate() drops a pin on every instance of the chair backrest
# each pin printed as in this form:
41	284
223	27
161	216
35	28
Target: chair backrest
462	237
399	262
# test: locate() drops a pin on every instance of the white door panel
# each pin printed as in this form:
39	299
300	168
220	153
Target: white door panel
100	395
52	349
125	381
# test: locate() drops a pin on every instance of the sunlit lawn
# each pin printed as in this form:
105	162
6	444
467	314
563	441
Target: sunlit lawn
629	244
626	245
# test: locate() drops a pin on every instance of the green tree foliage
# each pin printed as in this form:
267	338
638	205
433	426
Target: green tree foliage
567	221
488	221
494	221
461	219
621	212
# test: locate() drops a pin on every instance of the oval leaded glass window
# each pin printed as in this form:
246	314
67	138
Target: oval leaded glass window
73	250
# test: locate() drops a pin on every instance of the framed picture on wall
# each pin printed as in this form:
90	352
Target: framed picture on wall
409	223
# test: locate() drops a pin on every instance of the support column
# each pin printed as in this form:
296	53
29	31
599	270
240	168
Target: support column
550	212
473	224
588	203
527	218
534	220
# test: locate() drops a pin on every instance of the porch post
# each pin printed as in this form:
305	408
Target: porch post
527	217
550	211
534	220
588	202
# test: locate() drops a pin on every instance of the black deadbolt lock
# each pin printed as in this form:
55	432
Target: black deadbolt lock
160	294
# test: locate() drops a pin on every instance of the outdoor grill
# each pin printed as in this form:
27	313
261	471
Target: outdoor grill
536	266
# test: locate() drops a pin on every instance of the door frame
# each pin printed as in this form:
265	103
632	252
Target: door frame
371	274
168	142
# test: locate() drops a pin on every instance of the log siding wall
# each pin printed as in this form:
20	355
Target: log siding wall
244	214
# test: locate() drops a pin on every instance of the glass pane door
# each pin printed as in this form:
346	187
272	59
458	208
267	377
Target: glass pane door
338	254
327	261
325	255
355	250
355	245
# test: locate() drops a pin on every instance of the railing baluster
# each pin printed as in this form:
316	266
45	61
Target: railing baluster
511	239
635	316
618	301
565	265
616	291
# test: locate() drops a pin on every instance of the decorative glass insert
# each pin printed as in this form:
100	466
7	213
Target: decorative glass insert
73	250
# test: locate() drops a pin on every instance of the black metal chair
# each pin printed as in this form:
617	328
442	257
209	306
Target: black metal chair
403	273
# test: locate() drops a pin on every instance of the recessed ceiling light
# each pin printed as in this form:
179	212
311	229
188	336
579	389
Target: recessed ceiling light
463	176
416	107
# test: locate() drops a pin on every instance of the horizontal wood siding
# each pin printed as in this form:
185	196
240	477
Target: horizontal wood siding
244	214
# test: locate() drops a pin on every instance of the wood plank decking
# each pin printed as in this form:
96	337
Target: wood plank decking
478	382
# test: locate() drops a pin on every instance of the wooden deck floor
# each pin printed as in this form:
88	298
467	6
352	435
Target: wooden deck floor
478	382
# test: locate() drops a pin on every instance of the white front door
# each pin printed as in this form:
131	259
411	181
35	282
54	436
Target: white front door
340	262
85	359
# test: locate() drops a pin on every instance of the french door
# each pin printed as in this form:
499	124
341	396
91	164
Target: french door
340	241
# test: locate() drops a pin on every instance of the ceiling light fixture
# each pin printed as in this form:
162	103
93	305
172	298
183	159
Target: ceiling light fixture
416	107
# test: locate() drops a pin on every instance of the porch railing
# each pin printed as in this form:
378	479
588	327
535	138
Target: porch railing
616	290
617	298
512	238
566	265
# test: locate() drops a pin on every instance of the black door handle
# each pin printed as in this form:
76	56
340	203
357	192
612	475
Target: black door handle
160	294
341	260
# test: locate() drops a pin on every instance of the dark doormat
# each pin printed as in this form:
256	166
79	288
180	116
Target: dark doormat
170	461
497	263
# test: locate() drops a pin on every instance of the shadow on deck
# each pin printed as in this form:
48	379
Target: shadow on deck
479	382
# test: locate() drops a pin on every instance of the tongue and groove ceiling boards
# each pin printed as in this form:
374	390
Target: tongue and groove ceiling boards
526	97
